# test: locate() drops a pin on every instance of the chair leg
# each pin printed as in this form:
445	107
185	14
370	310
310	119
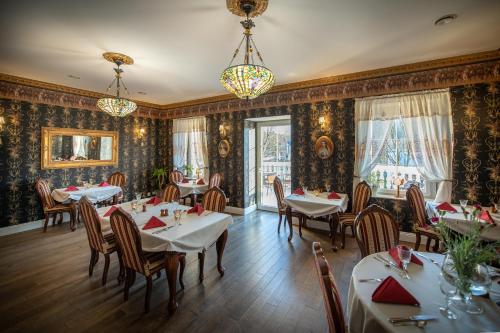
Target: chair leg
106	268
128	277
60	218
158	274
300	225
201	261
46	222
121	274
417	241
54	216
279	221
92	261
435	248
343	228
149	286
182	261
428	244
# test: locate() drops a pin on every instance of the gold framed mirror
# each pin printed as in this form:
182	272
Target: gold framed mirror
76	148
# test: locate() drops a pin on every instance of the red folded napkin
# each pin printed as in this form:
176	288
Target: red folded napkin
447	207
485	216
71	188
111	210
394	254
200	181
185	180
298	191
103	184
196	209
333	195
153	222
154	201
390	291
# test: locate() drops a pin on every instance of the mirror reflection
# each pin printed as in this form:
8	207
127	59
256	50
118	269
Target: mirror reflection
81	148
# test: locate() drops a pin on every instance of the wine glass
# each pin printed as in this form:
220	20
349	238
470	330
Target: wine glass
481	281
328	187
449	291
463	203
305	188
177	216
404	254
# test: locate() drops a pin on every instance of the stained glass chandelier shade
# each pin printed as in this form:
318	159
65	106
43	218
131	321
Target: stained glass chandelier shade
117	106
247	80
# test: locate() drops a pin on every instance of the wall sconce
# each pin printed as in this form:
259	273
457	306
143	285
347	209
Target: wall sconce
222	131
322	123
140	133
2	124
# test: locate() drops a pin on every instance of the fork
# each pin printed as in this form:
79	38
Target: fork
427	258
390	264
370	280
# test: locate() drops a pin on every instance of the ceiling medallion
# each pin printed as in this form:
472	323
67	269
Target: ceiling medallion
247	80
117	106
234	7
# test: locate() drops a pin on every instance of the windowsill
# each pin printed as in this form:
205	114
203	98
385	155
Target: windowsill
389	196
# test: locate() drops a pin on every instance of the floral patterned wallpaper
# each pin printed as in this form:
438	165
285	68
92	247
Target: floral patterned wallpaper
20	154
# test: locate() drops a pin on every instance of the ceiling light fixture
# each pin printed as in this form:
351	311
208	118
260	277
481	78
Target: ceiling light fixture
445	19
247	80
117	106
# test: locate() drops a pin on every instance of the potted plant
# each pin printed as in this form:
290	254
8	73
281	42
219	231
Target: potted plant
159	174
188	170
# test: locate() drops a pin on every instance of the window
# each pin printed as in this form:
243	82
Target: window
190	146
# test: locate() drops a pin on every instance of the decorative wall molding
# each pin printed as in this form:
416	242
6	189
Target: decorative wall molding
434	74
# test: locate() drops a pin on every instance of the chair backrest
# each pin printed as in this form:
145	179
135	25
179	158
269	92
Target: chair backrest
278	191
376	230
176	176
214	200
171	193
43	190
128	240
362	195
215	180
416	202
331	296
117	179
92	223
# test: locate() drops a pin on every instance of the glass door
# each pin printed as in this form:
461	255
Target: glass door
273	160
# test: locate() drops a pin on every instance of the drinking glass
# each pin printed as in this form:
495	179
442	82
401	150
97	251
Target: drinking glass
463	203
327	188
177	216
305	188
404	254
449	291
481	281
138	196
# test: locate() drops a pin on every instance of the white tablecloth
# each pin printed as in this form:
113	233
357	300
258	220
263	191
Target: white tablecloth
366	316
316	206
189	188
193	235
458	222
94	194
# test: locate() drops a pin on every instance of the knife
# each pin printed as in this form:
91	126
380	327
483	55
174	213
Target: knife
412	318
427	258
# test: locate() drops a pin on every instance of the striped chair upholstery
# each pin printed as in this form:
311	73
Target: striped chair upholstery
416	202
176	176
215	180
117	179
134	258
215	200
98	242
331	295
51	208
171	193
362	195
280	199
375	230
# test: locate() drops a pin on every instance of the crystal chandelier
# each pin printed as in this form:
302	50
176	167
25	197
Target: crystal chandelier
247	80
117	106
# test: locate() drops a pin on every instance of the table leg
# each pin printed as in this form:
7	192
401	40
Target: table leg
194	197
220	245
334	223
172	262
289	219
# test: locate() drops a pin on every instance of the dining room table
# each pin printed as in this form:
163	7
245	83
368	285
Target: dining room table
366	315
95	193
461	223
315	205
192	190
193	233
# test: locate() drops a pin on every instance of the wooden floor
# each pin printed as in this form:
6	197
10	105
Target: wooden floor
270	285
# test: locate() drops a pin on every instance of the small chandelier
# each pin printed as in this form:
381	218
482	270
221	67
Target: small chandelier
247	80
117	106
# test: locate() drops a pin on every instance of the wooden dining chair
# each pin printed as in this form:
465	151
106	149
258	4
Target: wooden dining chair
117	179
213	200
375	230
134	258
98	242
416	202
362	195
331	295
51	208
215	180
280	199
176	176
171	193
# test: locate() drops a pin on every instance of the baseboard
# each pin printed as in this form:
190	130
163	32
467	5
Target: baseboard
17	228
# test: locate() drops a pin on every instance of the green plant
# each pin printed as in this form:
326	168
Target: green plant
159	174
372	179
188	169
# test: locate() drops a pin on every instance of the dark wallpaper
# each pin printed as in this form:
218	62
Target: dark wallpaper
20	154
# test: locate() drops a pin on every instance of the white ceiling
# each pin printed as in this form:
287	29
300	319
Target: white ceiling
180	47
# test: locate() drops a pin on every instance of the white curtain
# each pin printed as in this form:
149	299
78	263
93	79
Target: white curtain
428	126
80	146
429	129
190	143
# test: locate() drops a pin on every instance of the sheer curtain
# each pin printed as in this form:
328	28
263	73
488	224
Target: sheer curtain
428	126
190	143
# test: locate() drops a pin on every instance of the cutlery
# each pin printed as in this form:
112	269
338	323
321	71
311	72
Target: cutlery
390	264
370	280
161	230
395	320
407	275
418	323
427	258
